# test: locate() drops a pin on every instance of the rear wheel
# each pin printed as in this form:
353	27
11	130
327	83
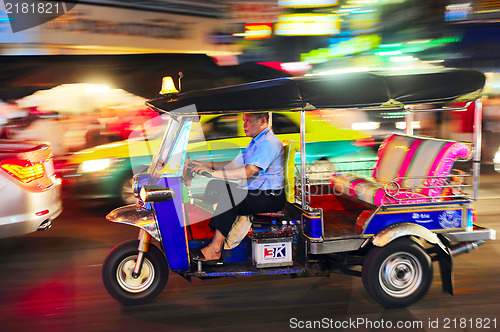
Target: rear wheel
117	273
398	274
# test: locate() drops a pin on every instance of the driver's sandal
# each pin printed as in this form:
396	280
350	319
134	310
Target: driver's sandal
197	256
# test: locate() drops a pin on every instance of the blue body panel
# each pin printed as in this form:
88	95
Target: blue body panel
170	217
433	216
242	253
250	272
312	225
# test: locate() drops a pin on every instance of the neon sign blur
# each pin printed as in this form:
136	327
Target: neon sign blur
344	47
307	3
457	12
255	31
307	25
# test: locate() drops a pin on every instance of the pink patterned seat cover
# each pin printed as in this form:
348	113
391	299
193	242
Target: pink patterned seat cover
410	159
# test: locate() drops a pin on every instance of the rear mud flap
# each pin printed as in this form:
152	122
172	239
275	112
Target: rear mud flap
446	268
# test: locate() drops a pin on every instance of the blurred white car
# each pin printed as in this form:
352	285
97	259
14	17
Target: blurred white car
29	190
496	161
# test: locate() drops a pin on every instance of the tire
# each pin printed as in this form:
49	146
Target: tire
398	274
118	267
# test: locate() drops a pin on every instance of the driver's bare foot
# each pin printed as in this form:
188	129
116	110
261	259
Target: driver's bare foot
210	253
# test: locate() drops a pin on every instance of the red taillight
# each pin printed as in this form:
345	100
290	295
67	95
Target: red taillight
364	142
23	170
41	213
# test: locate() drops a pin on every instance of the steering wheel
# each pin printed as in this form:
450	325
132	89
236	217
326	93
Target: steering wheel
188	173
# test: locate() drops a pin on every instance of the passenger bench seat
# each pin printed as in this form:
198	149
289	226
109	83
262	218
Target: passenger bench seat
409	162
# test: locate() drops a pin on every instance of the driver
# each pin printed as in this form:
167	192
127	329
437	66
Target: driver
260	170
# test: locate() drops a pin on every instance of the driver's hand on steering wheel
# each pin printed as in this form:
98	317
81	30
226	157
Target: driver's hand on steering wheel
200	168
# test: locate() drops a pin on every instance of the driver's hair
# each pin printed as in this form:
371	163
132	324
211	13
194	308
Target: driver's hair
261	115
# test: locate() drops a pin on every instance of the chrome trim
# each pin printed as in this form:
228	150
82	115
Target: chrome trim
396	231
138	284
465	248
156	193
393	188
409	120
144	242
44	225
303	158
400	275
135	186
335	246
464	236
144	219
47	223
476	162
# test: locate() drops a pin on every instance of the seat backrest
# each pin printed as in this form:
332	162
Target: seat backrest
416	158
391	157
290	147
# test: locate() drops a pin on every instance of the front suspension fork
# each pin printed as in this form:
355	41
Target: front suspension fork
144	242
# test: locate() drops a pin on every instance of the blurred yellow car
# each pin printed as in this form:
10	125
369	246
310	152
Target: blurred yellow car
105	171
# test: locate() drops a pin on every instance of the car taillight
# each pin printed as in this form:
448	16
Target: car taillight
364	142
23	170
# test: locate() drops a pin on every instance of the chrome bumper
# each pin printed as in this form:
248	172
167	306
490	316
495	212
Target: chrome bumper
471	236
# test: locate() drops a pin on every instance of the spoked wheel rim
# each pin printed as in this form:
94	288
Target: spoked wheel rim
128	282
400	274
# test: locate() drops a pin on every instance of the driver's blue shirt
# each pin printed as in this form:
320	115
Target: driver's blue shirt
266	152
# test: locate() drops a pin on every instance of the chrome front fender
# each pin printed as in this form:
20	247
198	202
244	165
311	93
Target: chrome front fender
144	219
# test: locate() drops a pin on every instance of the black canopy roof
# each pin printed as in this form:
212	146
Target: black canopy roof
140	74
352	90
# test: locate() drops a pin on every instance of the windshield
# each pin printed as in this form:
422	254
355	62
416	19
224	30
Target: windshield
168	161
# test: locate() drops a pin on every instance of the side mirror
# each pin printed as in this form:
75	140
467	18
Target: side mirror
156	193
138	181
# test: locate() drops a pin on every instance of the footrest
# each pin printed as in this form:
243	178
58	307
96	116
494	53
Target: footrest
270	214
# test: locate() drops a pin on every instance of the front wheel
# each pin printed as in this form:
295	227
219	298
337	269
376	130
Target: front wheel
117	273
398	274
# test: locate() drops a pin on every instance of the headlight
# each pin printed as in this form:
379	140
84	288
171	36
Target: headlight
94	165
156	193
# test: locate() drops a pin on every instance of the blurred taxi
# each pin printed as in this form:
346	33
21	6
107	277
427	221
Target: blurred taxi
29	190
106	171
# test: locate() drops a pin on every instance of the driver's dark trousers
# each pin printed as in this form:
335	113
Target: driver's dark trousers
233	201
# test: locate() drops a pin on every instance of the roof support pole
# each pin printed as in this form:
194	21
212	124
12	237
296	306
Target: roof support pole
476	161
409	121
303	158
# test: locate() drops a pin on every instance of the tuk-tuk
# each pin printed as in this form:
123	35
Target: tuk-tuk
386	224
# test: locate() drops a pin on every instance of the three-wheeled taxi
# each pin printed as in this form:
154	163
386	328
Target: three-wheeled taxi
386	224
